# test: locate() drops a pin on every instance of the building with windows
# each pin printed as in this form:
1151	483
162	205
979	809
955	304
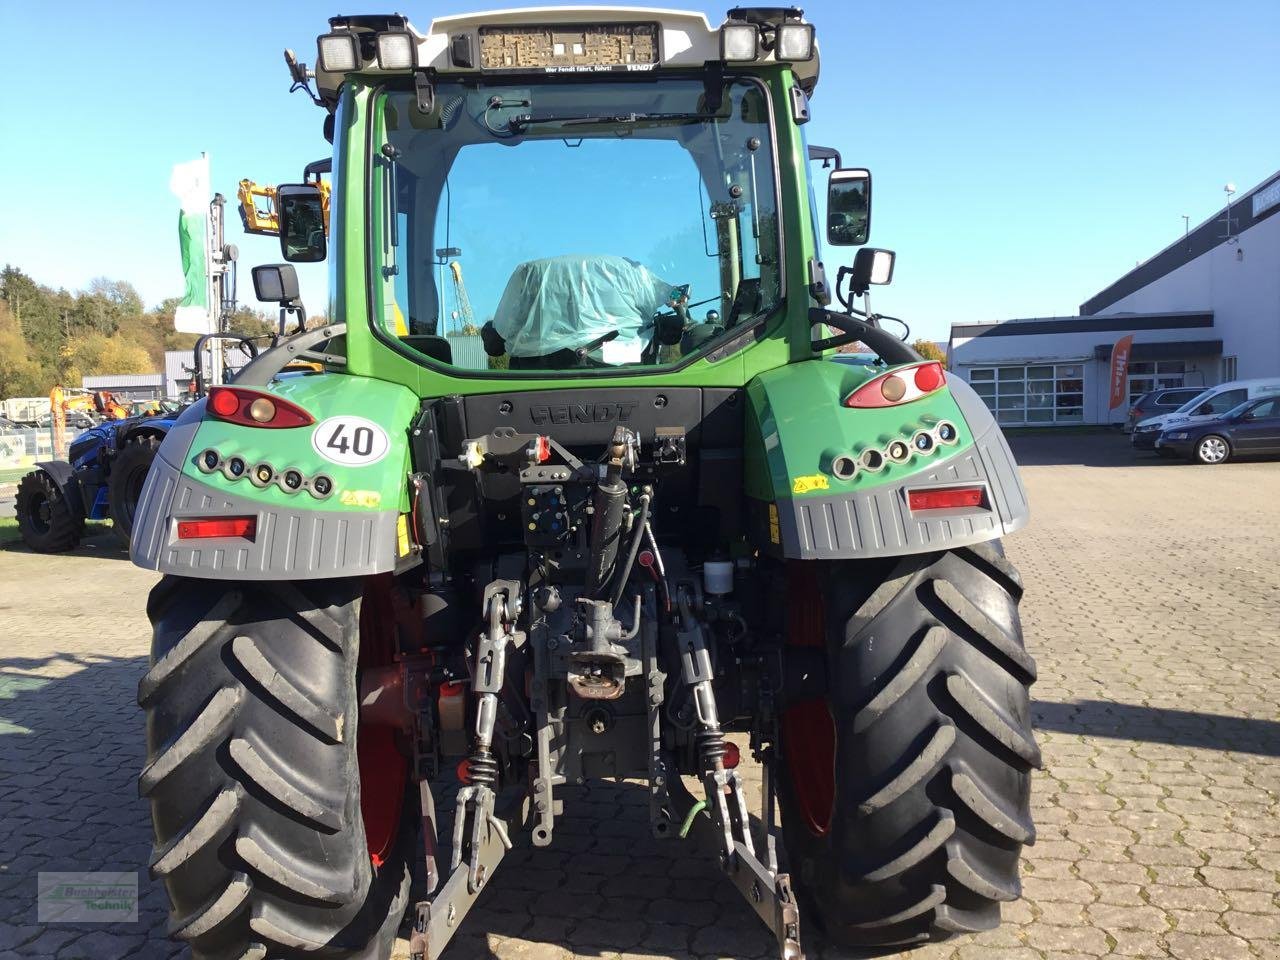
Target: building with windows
1202	311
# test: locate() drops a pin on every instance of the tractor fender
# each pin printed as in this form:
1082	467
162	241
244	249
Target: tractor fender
345	514
64	478
154	427
821	485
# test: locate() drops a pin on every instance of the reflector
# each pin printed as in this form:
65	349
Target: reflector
948	498
214	528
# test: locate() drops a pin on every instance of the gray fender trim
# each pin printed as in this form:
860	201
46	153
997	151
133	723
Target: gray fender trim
879	523
288	545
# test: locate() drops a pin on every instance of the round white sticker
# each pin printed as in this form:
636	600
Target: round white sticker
350	441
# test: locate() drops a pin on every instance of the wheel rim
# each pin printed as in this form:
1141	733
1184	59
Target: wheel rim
42	515
384	769
808	730
1212	449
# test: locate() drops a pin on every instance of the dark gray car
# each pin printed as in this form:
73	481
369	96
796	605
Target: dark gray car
1157	402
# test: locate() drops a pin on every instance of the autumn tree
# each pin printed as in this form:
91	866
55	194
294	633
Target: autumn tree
930	351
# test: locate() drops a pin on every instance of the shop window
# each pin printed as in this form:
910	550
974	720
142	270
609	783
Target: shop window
1032	394
1155	375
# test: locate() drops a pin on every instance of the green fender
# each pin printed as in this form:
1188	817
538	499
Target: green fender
823	481
327	499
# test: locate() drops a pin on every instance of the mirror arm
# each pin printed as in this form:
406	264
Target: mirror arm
886	345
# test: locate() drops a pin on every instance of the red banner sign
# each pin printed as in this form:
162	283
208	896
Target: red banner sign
1120	369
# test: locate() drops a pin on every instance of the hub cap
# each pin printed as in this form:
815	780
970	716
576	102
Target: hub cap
1212	450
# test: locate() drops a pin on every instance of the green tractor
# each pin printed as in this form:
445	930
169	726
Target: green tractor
631	523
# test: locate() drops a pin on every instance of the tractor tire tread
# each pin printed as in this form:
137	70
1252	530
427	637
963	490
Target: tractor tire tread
929	696
252	705
293	703
137	454
64	529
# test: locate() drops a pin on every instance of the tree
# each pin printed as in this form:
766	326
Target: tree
251	323
19	374
930	351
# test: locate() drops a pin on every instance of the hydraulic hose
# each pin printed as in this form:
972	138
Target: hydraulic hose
638	524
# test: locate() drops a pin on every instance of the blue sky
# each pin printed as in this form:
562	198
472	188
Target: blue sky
1025	154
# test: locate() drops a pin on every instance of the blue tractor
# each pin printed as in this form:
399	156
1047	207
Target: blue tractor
102	477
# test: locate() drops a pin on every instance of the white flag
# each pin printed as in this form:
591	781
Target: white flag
190	184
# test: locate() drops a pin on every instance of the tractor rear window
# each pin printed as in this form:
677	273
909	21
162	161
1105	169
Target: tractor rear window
573	226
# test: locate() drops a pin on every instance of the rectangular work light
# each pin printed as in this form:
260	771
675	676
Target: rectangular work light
795	42
739	42
396	50
337	52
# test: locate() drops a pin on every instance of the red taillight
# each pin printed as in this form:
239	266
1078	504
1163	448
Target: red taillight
244	527
901	385
253	408
949	498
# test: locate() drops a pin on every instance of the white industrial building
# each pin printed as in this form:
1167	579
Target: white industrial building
1202	311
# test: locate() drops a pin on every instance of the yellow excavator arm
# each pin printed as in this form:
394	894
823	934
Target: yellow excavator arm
258	207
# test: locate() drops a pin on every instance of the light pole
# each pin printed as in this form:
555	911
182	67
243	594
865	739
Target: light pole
1230	190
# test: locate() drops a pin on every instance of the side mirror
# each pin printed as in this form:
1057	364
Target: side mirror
300	209
275	283
849	207
870	266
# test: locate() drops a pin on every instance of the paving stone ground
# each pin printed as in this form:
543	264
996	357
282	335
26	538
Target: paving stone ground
1152	608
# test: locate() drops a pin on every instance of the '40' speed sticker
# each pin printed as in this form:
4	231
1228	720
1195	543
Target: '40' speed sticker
350	441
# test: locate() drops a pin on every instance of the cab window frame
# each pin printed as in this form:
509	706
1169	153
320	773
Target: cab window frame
739	337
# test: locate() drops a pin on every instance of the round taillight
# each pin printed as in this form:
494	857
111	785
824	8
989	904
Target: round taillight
929	377
893	388
224	403
262	410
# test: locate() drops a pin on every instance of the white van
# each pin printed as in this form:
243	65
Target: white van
1211	403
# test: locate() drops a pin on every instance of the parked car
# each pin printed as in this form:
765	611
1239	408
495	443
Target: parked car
76	420
1206	405
1156	402
1253	427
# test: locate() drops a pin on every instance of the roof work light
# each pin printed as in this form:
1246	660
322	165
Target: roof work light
794	42
739	42
396	50
337	52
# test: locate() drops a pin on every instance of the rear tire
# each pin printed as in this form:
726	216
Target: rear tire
45	520
124	488
919	833
253	775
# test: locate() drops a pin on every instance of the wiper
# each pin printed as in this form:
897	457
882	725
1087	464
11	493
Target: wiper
526	120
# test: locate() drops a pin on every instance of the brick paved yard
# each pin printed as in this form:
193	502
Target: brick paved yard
1151	605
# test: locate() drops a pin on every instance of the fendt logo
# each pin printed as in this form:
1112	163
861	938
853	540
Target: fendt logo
581	412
